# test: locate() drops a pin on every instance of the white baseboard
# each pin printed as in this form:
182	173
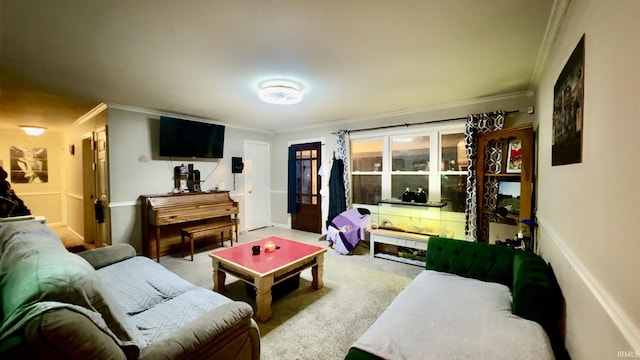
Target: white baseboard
618	316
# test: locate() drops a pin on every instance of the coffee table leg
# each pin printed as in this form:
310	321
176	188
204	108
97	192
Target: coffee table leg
316	272
263	297
219	278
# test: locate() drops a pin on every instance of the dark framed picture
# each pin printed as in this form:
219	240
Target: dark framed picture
509	198
568	110
514	156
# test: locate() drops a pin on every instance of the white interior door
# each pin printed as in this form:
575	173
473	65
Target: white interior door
88	188
102	186
257	188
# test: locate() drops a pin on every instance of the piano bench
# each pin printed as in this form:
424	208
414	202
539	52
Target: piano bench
205	230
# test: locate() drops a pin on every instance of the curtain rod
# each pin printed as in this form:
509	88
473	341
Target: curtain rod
418	123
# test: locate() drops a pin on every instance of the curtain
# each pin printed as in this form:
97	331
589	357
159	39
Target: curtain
476	124
292	195
339	180
343	153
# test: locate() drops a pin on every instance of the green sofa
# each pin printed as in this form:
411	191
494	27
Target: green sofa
109	303
467	291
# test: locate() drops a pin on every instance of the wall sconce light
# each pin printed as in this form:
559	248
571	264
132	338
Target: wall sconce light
33	130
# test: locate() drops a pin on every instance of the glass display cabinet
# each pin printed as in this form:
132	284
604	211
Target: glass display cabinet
401	230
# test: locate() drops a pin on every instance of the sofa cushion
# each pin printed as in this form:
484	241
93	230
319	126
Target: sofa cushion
474	260
137	293
159	302
171	315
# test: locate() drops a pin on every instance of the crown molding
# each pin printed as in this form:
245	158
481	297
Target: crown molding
558	12
89	115
452	105
181	116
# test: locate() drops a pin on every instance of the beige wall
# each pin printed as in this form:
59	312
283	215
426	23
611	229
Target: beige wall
133	134
44	199
74	197
588	212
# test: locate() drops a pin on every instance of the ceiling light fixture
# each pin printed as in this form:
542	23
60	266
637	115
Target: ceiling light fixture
33	130
280	92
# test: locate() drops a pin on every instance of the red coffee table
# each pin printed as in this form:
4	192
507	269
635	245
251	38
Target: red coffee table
266	269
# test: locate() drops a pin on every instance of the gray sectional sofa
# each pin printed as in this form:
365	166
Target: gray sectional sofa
109	303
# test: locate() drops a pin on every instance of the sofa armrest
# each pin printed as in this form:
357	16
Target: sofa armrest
104	256
226	332
536	293
64	333
537	297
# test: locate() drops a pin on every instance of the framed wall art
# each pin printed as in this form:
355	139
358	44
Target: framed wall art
568	110
514	156
29	165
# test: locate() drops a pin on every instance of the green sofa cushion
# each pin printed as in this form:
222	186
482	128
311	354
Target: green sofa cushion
475	260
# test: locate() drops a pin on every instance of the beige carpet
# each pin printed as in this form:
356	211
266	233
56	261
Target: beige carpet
310	324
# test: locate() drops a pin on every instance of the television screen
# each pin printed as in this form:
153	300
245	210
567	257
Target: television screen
191	139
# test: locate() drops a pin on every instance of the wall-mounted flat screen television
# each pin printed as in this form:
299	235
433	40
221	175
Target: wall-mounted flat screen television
190	139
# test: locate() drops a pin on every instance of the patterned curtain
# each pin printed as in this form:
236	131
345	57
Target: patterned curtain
343	154
478	124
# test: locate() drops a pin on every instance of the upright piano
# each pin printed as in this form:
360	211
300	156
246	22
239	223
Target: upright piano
171	211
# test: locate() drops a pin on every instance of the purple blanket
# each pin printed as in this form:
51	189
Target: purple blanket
347	229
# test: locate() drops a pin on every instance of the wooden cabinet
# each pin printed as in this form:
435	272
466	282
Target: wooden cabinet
505	178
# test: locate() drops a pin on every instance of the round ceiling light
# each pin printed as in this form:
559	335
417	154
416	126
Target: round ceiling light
33	130
280	92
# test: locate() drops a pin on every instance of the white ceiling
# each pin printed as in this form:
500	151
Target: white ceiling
354	58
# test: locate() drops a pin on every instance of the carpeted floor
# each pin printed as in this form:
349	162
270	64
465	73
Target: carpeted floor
308	324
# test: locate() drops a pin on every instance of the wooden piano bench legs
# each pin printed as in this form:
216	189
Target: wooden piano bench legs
205	230
236	228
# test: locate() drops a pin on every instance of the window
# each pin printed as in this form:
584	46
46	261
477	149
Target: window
366	165
306	175
409	163
453	171
432	158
